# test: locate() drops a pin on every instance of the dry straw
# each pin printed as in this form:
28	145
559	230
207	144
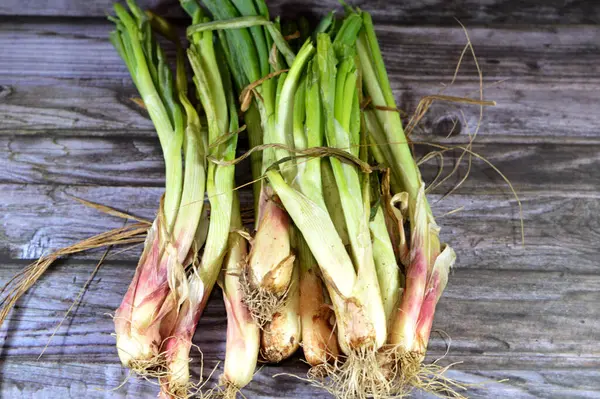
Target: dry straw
130	234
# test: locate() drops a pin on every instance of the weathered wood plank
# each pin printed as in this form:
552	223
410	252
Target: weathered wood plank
25	379
399	12
58	77
482	311
81	50
524	313
37	219
531	384
82	160
521	115
72	109
122	160
501	340
97	380
561	233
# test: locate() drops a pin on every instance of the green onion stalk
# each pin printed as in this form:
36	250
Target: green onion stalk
159	284
247	37
349	275
282	335
243	335
338	77
391	280
319	342
428	261
213	84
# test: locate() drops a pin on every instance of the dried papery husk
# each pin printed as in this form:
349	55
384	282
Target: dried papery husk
267	278
282	335
396	209
424	250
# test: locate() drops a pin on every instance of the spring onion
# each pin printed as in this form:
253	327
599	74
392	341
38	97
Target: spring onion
281	336
319	342
213	84
159	284
429	261
271	260
243	335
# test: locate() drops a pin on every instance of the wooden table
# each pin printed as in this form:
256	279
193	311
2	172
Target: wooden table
527	313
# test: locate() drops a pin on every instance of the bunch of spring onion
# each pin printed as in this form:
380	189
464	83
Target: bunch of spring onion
296	115
268	283
346	216
426	261
332	115
159	285
347	242
213	83
158	316
273	283
325	265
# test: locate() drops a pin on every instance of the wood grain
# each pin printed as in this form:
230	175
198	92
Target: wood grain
42	218
503	336
64	78
411	12
65	49
560	232
520	116
82	160
71	109
96	380
526	313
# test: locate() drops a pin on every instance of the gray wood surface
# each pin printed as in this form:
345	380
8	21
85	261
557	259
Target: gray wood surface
491	330
404	12
528	314
63	77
